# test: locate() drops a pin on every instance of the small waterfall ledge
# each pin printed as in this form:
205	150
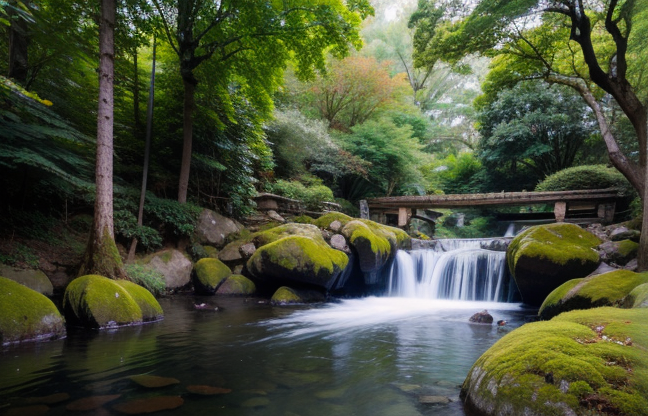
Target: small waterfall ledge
454	269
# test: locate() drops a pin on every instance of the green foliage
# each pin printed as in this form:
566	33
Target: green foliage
586	177
530	124
20	255
163	219
312	196
147	277
454	174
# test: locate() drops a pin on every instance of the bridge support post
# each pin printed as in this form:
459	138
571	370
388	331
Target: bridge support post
403	216
364	209
606	212
560	210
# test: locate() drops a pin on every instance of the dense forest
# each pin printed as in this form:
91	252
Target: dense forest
315	100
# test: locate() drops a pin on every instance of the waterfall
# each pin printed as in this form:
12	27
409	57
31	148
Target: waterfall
453	269
510	231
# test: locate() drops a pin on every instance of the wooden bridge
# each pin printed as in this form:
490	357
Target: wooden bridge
567	204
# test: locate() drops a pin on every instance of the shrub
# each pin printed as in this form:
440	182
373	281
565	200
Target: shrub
586	177
312	196
147	277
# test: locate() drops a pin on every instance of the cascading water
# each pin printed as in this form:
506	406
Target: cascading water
452	269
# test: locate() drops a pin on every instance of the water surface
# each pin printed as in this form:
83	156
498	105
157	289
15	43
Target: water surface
372	356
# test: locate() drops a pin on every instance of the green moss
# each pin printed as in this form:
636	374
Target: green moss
303	258
360	234
628	248
211	252
102	257
325	220
210	274
97	302
262	238
237	285
303	219
26	314
285	295
607	289
558	243
150	307
554	297
638	297
599	353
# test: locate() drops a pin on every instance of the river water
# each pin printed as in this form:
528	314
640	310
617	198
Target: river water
371	356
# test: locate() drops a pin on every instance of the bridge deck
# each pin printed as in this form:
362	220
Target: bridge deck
502	198
602	200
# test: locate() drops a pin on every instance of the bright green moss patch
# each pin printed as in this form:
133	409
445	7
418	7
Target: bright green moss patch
98	302
628	248
298	258
211	252
638	298
286	296
560	243
237	285
262	238
150	307
26	315
358	233
607	289
577	360
325	220
209	275
303	219
544	257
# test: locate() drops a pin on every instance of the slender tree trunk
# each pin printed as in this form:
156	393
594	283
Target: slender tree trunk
147	151
136	92
18	51
187	132
102	256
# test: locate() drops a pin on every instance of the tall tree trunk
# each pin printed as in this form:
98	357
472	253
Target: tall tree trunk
187	133
102	256
18	50
147	151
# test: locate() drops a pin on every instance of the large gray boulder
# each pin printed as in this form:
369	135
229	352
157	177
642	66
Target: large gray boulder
175	267
213	228
33	279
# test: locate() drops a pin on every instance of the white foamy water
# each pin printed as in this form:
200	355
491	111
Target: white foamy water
359	314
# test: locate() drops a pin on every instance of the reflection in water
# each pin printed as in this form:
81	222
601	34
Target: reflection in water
371	356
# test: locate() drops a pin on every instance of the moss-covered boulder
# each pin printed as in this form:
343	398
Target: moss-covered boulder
98	302
26	315
33	279
209	274
289	296
271	235
586	362
237	285
607	289
546	256
299	259
638	298
618	252
150	307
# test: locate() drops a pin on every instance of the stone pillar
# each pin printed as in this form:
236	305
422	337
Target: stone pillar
364	209
403	216
606	212
560	209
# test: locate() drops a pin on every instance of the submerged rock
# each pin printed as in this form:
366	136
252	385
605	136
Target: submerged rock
153	382
607	289
26	315
546	256
209	275
98	302
149	405
482	317
574	364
